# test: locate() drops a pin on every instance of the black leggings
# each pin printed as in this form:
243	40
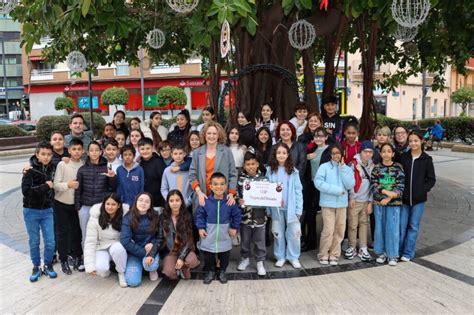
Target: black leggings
210	260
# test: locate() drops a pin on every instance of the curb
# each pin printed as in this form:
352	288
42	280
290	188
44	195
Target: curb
17	152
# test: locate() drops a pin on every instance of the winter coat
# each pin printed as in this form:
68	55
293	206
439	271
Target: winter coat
216	217
419	178
36	193
134	241
252	216
333	183
178	136
247	135
145	128
153	170
93	184
130	183
58	157
98	238
390	178
299	128
166	243
294	207
298	155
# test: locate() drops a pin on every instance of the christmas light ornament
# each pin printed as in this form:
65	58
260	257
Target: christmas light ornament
410	13
182	6
225	39
410	49
155	38
76	61
6	6
405	34
302	34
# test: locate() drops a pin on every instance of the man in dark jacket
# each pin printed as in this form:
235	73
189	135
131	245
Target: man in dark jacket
38	193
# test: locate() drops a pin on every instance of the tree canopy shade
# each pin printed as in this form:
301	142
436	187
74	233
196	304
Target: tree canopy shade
61	103
115	96
463	96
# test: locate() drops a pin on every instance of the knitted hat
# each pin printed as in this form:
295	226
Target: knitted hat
367	145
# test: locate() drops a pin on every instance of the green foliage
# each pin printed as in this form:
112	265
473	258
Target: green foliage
171	95
383	120
61	103
115	96
47	124
9	131
463	96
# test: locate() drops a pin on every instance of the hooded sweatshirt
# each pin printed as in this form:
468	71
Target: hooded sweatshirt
130	182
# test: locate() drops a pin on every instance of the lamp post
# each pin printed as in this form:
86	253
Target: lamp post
5	74
142	83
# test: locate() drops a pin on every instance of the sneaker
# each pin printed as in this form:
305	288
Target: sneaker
261	269
405	259
153	275
79	264
334	262
381	259
323	261
210	275
35	274
65	268
222	277
49	271
280	262
122	281
350	253
364	255
244	263
392	261
295	263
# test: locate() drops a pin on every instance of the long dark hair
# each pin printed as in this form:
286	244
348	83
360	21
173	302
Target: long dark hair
273	162
150	213
105	219
183	221
154	133
260	145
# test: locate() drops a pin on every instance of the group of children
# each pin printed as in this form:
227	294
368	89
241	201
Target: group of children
128	199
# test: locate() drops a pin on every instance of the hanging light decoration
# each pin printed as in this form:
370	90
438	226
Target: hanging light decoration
410	49
76	61
225	39
182	6
155	38
405	34
302	34
6	6
410	13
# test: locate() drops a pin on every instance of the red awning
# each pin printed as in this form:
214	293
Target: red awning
37	58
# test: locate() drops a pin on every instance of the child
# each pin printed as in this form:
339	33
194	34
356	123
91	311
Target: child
120	138
388	181
263	145
119	123
333	123
103	239
253	218
266	120
135	137
130	176
95	181
150	129
333	180
180	131
237	149
135	124
194	142
177	180
139	231
60	153
111	151
207	115
37	189
299	121
67	220
108	133
360	202
286	226
419	179
164	149
217	223
246	130
153	168
175	241
350	144
382	136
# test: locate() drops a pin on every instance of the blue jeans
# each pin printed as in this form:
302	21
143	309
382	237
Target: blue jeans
387	230
134	269
287	237
36	219
410	218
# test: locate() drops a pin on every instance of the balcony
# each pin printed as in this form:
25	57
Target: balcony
41	74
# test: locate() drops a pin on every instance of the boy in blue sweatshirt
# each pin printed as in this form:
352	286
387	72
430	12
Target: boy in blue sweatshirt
177	178
130	176
217	223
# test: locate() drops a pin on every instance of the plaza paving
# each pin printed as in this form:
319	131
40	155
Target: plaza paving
439	281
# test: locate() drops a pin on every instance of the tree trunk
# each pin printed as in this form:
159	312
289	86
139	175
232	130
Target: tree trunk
309	86
215	65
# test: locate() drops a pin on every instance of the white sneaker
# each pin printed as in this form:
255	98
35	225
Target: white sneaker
244	263
280	263
122	281
261	269
153	275
381	259
104	274
334	262
392	262
405	259
323	261
295	263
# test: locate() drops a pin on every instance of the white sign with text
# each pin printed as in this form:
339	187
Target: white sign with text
262	194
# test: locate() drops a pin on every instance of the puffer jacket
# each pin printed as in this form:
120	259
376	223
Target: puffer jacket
97	238
36	193
216	217
165	243
178	136
135	241
333	182
93	184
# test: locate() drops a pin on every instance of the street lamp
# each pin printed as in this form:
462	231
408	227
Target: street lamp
4	74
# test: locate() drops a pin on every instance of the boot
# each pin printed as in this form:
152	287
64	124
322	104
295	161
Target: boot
65	267
78	264
210	275
222	277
